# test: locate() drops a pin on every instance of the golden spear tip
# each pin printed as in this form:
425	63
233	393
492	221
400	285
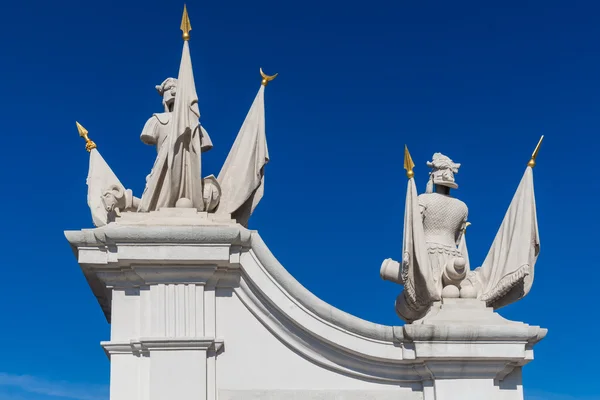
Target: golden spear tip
186	26
408	163
82	131
267	78
534	155
89	145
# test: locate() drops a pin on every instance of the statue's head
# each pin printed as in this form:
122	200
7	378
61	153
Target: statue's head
443	170
167	90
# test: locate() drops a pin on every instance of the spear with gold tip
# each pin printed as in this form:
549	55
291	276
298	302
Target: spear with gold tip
89	144
531	162
186	26
408	163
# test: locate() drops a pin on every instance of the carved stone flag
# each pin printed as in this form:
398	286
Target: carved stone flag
506	274
421	285
242	176
100	178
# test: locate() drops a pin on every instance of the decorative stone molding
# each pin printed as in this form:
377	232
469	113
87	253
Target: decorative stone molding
458	339
145	345
151	234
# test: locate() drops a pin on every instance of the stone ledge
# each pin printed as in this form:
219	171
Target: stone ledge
142	345
116	234
174	217
468	321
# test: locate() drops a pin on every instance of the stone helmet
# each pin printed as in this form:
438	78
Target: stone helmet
167	90
443	170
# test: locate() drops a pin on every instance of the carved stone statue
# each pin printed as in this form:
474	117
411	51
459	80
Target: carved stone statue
435	232
435	261
444	222
176	171
175	179
157	128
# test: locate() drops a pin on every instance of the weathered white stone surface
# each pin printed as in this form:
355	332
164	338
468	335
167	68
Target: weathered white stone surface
107	197
180	139
435	261
242	177
201	309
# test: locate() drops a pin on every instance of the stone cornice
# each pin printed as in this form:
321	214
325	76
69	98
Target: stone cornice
471	333
115	234
138	276
143	345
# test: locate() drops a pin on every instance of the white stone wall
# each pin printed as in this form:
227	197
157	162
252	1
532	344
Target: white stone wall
255	363
207	312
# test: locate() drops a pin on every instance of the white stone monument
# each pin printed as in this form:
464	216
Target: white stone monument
200	309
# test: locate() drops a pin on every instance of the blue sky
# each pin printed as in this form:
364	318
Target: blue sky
479	81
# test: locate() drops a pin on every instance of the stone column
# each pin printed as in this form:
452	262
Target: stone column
465	351
159	297
159	346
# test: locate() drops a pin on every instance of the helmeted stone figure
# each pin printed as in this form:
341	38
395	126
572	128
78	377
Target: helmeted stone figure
157	128
175	180
444	222
435	262
179	139
434	251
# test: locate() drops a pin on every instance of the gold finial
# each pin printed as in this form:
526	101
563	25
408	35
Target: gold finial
408	163
186	27
531	162
467	224
89	145
267	78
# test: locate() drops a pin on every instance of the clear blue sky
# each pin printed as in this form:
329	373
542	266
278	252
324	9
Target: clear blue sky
479	81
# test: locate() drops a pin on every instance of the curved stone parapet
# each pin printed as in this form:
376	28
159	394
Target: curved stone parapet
311	302
229	268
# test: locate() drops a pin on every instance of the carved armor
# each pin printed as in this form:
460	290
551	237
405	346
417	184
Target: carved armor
435	261
444	219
